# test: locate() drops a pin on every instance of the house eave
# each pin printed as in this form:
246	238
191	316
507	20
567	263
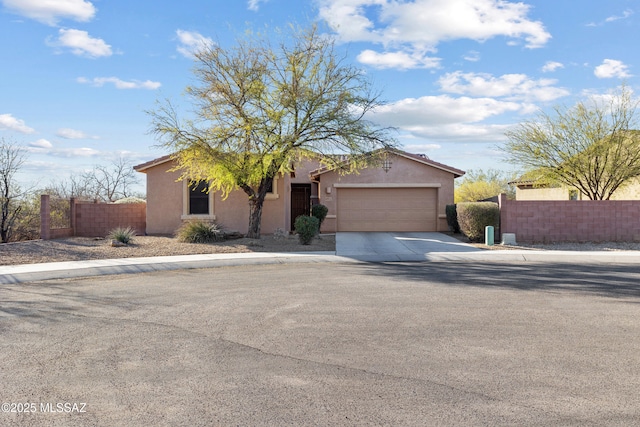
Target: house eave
314	174
143	167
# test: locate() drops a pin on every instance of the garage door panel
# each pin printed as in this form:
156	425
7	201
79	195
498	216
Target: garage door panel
387	209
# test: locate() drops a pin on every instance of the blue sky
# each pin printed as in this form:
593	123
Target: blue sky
78	75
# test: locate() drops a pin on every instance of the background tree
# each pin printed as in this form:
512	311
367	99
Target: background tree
480	185
593	146
111	182
106	183
12	157
259	108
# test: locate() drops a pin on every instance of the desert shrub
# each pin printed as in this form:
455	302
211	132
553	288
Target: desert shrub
473	217
307	227
200	232
320	212
452	218
128	200
122	234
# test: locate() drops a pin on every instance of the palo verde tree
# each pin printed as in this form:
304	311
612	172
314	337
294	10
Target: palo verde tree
259	107
593	146
480	185
12	157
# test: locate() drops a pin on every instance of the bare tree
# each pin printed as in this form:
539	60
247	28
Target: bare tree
12	157
111	182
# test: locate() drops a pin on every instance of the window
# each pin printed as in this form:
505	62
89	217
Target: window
272	189
198	198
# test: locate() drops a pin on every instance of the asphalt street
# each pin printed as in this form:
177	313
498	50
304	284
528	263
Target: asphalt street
424	344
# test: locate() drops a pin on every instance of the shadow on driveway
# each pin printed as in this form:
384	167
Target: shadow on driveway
616	281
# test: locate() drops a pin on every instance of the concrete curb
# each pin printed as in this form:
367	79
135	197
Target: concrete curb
12	274
63	270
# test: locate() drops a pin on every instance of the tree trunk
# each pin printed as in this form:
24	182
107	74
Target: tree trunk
255	217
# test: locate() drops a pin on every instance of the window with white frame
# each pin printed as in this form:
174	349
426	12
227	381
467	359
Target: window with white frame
197	200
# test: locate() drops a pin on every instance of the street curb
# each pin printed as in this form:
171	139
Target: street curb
12	274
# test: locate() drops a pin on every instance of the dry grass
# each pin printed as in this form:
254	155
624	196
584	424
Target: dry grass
83	248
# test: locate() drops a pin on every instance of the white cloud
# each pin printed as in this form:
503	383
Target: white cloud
626	14
51	11
255	4
612	68
41	147
552	66
67	133
509	86
41	143
120	84
398	60
8	122
472	56
444	117
420	25
191	42
81	43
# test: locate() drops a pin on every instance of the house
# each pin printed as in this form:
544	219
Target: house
408	192
531	190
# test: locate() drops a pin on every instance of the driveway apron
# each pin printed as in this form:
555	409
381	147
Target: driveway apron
391	246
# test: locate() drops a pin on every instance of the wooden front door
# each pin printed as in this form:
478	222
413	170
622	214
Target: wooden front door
300	201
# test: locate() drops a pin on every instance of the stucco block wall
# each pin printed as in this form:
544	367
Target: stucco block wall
92	219
98	219
571	221
403	171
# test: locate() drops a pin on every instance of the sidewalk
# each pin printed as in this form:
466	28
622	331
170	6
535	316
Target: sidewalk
62	270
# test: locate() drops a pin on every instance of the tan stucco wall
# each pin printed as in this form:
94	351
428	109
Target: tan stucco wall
403	171
542	194
628	192
233	212
165	195
165	198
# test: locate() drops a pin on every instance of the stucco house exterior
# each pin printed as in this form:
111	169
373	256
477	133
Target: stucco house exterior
530	190
408	192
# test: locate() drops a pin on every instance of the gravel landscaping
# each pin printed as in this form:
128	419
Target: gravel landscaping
83	248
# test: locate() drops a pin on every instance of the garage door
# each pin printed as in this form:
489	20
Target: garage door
387	209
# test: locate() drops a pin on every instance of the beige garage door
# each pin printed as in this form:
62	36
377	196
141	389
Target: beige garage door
387	209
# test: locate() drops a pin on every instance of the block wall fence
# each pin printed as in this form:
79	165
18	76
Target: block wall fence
571	220
89	219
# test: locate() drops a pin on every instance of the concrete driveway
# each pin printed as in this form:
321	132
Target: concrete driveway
391	246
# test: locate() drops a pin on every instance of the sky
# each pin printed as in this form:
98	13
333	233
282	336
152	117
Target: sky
77	77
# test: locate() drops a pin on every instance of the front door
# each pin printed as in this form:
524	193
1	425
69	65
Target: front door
300	201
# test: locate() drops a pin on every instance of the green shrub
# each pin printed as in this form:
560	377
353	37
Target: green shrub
452	218
200	232
122	234
320	212
307	227
473	217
